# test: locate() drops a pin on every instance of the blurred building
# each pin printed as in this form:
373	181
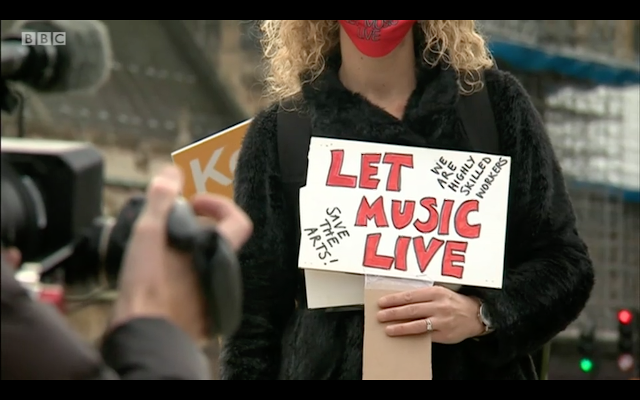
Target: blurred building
161	95
157	87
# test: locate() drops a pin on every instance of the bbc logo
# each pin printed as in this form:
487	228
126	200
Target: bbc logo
44	38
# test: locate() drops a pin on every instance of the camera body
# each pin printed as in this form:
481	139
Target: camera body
51	192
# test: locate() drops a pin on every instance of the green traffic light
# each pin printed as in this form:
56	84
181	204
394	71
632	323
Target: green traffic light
586	365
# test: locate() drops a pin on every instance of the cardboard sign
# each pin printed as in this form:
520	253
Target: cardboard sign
209	164
406	358
404	212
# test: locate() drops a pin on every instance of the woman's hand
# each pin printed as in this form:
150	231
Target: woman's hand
453	317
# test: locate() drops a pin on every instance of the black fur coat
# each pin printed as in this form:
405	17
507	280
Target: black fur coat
548	273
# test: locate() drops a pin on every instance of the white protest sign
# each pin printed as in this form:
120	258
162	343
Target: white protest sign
404	212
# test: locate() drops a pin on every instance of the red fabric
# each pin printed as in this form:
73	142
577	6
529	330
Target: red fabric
54	295
376	37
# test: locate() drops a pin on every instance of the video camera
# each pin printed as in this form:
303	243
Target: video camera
52	190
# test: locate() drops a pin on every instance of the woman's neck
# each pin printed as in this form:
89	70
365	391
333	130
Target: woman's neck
390	78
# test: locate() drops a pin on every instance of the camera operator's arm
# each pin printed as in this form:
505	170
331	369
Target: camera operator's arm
37	343
153	349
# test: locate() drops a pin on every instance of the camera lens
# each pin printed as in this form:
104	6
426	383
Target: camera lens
13	213
22	219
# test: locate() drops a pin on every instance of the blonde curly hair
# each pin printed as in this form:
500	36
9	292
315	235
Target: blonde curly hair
296	48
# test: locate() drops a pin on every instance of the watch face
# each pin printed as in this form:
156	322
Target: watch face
484	317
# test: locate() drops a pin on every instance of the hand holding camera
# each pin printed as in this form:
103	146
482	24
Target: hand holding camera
159	281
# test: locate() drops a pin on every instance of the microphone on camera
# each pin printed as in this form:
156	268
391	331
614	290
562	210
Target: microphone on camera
82	63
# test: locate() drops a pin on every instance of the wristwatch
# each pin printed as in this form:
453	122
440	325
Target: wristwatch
484	319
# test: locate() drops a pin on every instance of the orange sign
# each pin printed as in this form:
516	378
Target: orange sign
209	165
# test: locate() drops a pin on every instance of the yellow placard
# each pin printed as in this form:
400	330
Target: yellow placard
209	164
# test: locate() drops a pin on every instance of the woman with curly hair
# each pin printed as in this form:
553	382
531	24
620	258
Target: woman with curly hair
398	82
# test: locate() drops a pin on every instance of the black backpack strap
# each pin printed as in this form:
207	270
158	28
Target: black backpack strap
294	138
477	118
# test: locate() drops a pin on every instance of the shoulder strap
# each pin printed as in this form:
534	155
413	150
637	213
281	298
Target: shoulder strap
294	138
477	118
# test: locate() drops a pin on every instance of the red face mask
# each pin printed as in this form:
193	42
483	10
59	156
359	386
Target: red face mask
376	37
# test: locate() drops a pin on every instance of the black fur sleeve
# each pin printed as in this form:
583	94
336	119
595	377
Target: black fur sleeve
548	273
269	289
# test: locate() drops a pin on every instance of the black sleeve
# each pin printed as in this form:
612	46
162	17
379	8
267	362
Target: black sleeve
269	284
548	273
37	343
153	349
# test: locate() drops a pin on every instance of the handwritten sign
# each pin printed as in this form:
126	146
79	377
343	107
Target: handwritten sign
328	234
209	164
404	212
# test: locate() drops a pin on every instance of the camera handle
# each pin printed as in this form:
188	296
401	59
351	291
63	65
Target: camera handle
216	265
214	260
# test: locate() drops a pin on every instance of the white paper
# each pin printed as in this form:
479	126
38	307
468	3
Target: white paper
332	242
333	289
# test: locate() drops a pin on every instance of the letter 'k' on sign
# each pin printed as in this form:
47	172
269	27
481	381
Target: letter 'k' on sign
201	175
210	164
